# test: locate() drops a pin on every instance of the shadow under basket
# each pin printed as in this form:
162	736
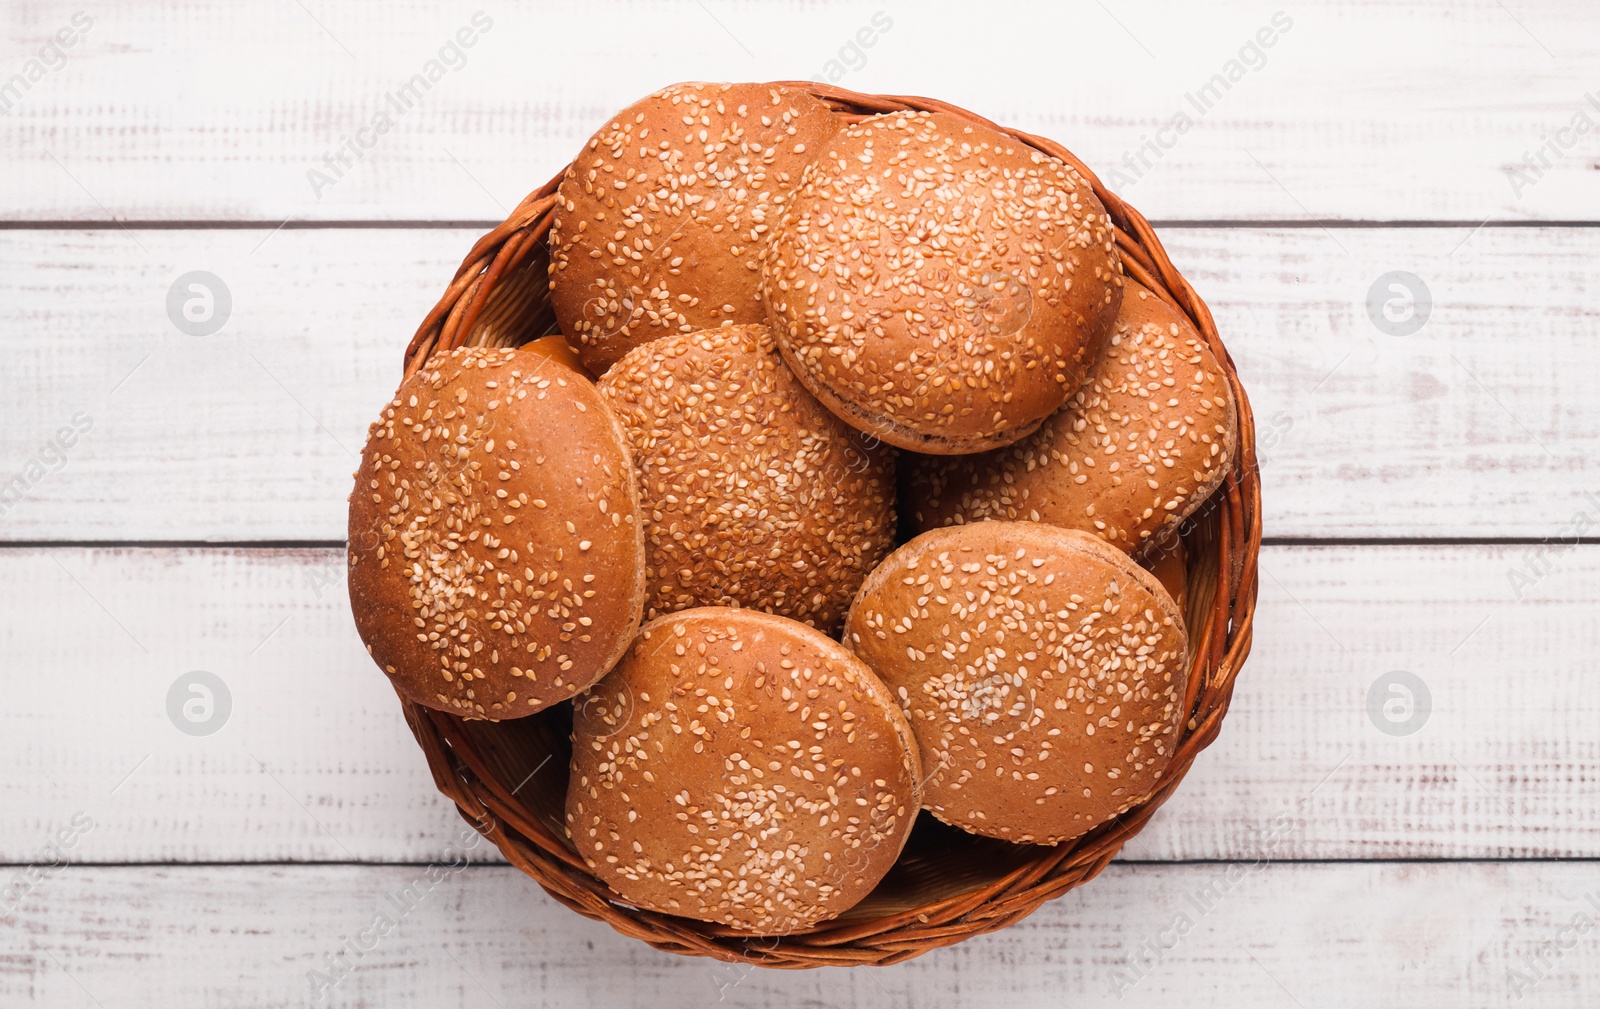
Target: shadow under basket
509	778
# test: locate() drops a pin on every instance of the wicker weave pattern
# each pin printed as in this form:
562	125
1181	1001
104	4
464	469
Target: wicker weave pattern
509	779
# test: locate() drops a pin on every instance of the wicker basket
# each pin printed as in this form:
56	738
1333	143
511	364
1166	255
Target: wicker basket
509	778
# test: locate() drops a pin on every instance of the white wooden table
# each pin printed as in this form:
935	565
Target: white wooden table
1432	488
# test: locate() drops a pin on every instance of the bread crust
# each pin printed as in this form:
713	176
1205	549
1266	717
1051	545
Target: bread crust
752	493
940	284
741	768
1042	671
1169	562
496	559
661	220
1148	437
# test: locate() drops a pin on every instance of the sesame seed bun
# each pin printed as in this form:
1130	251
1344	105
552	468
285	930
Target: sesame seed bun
1042	672
752	494
1135	451
940	284
742	768
558	350
660	222
1169	562
496	557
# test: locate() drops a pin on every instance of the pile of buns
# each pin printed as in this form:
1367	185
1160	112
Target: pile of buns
837	499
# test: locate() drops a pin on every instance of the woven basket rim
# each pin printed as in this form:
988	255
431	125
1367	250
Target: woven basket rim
1228	526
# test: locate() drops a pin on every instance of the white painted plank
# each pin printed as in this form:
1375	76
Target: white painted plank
1479	423
1357	110
1482	423
250	433
315	763
1385	936
312	761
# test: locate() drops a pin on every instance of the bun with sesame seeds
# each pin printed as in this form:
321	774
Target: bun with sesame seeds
741	768
940	284
1137	449
1043	673
752	493
1169	562
947	884
661	221
496	555
558	350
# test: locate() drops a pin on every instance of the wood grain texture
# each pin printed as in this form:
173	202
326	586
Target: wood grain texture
315	763
1271	936
218	112
1479	424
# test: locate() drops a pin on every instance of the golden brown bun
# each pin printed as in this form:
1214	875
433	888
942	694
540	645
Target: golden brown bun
496	556
1136	450
660	222
1042	671
741	768
940	284
1169	562
558	350
752	494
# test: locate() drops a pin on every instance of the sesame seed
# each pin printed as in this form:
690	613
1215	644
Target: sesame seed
1037	636
1111	424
